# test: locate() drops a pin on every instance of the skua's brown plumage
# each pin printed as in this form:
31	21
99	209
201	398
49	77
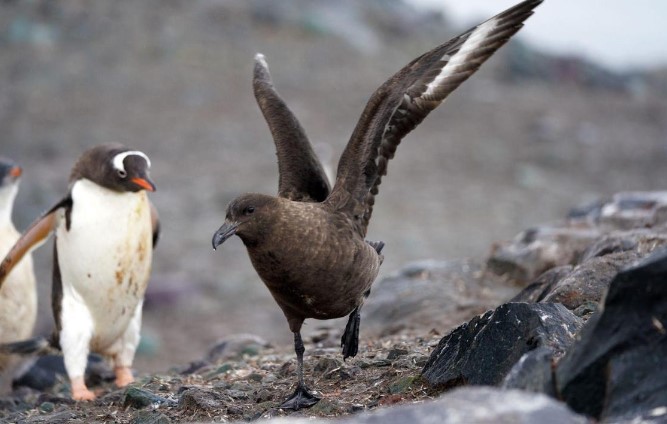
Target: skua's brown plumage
307	244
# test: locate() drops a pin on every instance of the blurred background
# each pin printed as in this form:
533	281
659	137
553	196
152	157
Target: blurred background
571	111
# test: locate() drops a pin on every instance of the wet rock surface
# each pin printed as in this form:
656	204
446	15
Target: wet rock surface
533	372
606	268
615	370
481	405
484	350
432	294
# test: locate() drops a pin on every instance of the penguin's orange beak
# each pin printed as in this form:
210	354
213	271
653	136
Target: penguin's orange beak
16	171
144	183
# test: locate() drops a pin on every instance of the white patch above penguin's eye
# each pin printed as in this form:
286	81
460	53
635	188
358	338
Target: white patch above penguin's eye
120	158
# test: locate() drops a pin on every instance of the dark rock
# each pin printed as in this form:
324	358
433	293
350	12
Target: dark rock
608	245
326	365
57	400
356	408
139	398
264	395
402	384
396	353
241	386
255	377
46	370
286	369
235	346
193	367
579	288
13	404
626	223
42	374
480	405
538	289
327	407
222	369
347	373
533	372
410	361
586	309
62	417
588	281
150	417
114	397
184	388
381	363
537	250
634	210
589	213
237	394
234	410
198	400
269	378
484	350
47	407
431	294
617	368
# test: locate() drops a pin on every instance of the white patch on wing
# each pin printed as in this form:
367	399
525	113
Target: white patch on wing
471	44
262	60
120	157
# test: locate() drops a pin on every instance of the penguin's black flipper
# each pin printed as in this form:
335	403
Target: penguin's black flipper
35	346
155	221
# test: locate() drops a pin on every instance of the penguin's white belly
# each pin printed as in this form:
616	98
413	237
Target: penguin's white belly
105	257
18	296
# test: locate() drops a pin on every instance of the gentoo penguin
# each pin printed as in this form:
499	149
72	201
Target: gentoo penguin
18	296
307	244
105	229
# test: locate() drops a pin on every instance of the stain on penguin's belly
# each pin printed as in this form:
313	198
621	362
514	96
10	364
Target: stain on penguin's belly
105	258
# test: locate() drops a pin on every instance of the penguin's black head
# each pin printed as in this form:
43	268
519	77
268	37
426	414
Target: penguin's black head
131	171
115	167
10	172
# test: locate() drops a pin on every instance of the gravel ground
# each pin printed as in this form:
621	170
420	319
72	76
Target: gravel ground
246	386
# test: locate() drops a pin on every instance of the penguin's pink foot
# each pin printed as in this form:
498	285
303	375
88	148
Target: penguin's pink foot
80	391
123	376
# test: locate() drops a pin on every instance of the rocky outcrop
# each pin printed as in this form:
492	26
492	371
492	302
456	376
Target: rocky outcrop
484	350
632	223
616	370
432	294
481	405
604	271
613	370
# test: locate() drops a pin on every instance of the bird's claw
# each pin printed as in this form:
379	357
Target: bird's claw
301	398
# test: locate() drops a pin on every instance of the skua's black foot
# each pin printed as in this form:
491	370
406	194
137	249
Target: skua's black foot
301	398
